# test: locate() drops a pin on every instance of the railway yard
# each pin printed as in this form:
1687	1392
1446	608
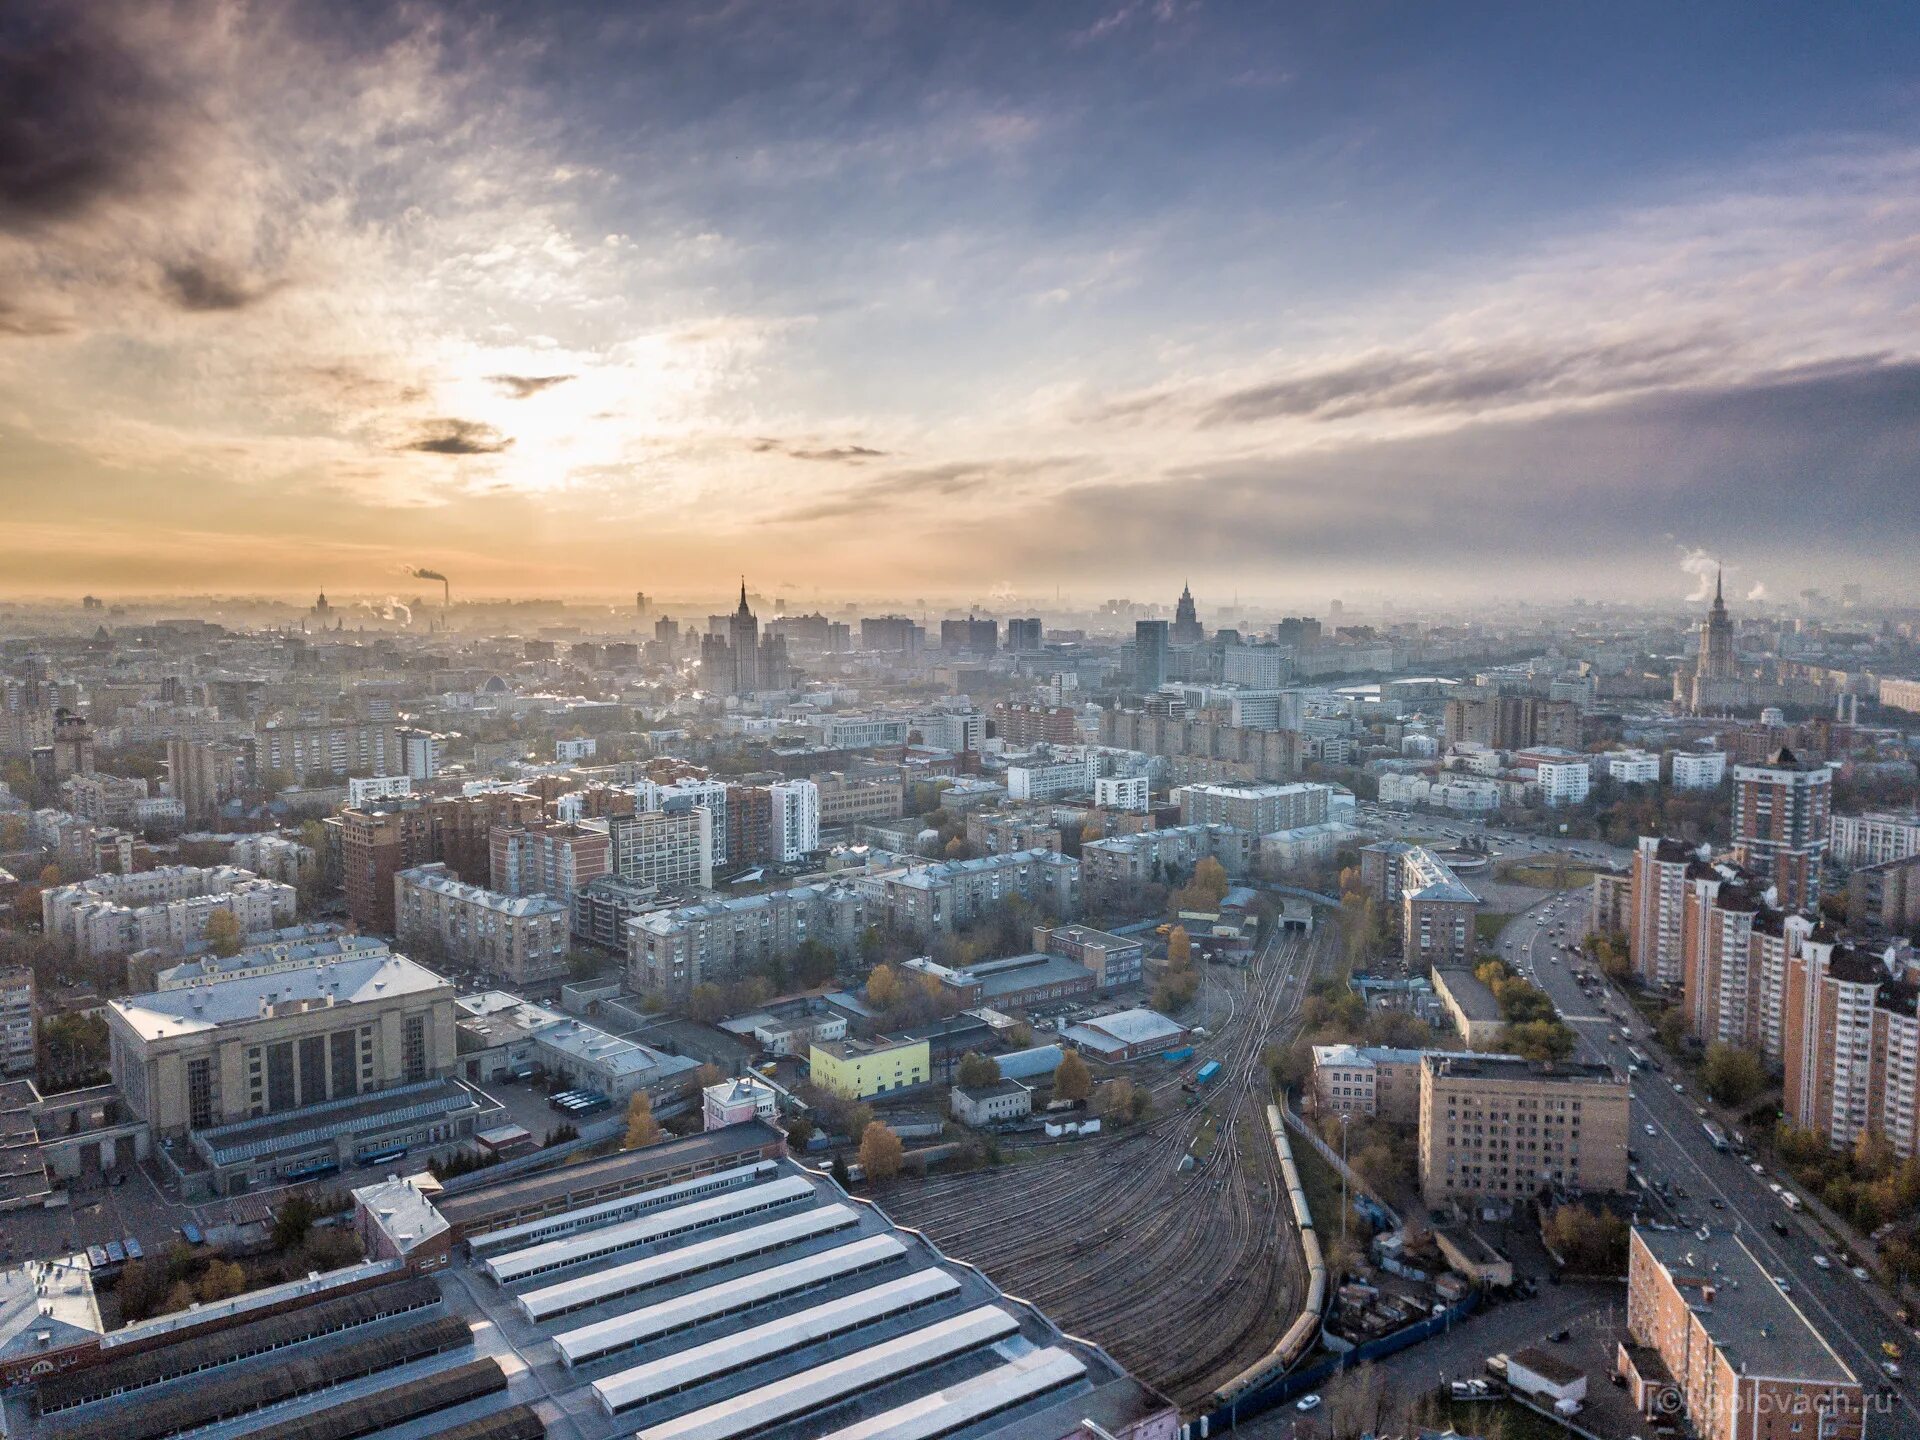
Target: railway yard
1185	1278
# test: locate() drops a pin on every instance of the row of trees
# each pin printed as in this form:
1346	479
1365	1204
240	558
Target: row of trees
1534	1027
1867	1184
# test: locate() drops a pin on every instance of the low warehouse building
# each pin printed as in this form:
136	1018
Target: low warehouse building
1127	1035
994	1104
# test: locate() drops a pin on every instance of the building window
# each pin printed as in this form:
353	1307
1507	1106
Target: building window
413	1049
346	1076
313	1069
281	1094
200	1093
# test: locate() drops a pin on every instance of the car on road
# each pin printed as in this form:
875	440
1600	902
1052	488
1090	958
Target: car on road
1860	1272
1891	1367
1821	1262
1649	1129
1307	1402
1786	1285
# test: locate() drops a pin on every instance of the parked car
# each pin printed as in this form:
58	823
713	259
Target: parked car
1307	1402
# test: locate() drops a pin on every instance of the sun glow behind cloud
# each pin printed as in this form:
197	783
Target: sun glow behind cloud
556	288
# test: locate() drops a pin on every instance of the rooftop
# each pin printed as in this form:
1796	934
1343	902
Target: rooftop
436	879
1743	1312
169	1013
1462	1065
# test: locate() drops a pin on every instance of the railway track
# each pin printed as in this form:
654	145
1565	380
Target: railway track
1180	1276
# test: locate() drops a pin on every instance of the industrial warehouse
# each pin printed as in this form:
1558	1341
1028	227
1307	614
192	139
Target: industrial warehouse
709	1288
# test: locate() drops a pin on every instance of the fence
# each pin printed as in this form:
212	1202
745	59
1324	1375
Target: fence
1258	1402
1340	1167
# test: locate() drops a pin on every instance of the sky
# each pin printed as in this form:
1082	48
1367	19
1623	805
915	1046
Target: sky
959	299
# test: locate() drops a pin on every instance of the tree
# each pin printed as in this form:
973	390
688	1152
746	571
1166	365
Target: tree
179	1297
642	1128
841	1175
880	1152
1592	1242
708	1075
1179	948
223	1280
799	1132
883	988
292	1221
814	963
1117	1099
142	1288
223	934
1207	887
1072	1081
707	1003
1733	1076
978	1071
1672	1027
1537	1040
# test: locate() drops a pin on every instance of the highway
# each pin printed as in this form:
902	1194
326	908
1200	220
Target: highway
1854	1316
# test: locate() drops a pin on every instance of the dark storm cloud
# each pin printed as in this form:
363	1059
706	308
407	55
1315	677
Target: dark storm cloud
81	120
521	387
204	285
1821	455
458	437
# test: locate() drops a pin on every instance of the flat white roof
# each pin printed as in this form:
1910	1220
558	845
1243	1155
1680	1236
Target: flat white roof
603	1337
231	1002
1021	1378
776	1337
635	1275
567	1221
679	1220
824	1384
1130	1027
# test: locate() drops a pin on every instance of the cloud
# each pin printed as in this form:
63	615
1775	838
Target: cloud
846	454
1703	568
905	486
22	322
521	387
1727	460
458	437
837	454
1758	592
210	285
84	121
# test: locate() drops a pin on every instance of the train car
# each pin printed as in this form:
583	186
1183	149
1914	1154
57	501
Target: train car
1207	1073
1180	1056
1301	1335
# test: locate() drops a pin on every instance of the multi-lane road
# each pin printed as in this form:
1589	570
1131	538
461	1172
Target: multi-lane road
1695	1183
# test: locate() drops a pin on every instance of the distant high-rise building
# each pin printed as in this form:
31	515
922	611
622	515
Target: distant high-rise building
1782	821
666	634
971	635
1187	629
1023	636
892	633
1151	640
72	745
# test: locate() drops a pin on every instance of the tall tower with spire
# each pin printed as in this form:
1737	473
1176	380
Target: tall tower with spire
743	638
1716	638
1187	629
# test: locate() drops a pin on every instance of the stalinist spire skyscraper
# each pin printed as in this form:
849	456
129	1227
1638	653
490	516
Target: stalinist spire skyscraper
1187	629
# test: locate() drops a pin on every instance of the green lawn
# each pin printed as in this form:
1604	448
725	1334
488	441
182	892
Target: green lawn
1541	875
1488	927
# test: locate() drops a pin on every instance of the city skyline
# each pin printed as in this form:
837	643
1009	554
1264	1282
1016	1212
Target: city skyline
944	301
